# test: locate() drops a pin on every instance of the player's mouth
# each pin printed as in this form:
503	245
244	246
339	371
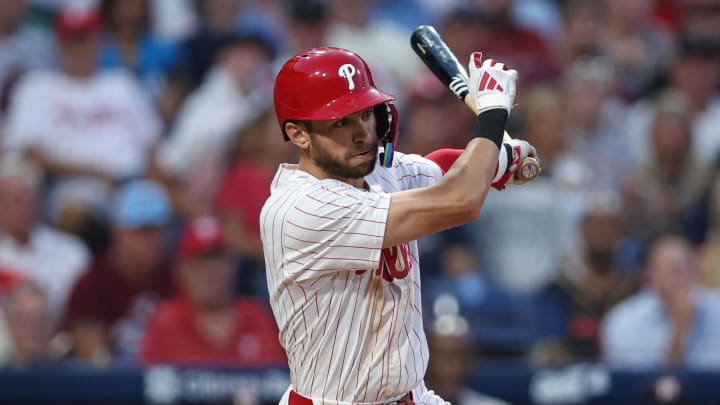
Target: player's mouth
363	155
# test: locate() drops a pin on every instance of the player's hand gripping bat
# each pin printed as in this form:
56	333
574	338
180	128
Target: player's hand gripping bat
434	52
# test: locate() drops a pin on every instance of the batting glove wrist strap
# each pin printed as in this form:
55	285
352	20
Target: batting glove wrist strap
491	125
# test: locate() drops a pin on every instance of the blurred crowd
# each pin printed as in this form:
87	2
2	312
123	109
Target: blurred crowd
138	141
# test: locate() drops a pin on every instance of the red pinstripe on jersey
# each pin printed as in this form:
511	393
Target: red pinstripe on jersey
350	334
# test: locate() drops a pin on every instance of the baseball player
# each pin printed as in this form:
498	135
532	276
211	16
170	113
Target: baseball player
339	230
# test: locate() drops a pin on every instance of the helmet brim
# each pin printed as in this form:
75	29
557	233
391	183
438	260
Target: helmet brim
348	104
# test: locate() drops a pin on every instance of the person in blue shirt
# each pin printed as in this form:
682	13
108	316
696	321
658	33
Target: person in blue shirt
673	322
128	42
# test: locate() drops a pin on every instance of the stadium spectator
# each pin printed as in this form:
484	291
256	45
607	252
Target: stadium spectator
235	91
660	193
498	320
523	252
694	75
173	20
542	121
22	48
541	16
582	32
128	42
29	325
597	136
206	324
431	119
464	27
521	48
383	43
218	19
640	50
699	18
452	357
406	13
80	125
710	217
30	249
673	321
257	150
110	304
307	23
568	312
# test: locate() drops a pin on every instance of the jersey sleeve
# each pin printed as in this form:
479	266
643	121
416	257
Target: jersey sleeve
334	227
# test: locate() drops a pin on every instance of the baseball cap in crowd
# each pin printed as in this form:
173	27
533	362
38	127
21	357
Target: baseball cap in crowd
202	236
251	35
141	203
77	21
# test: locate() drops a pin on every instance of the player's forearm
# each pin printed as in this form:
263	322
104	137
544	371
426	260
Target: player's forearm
453	201
469	178
456	199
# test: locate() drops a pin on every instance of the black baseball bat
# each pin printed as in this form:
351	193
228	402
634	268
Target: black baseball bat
437	56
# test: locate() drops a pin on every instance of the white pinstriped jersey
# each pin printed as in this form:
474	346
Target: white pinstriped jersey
352	328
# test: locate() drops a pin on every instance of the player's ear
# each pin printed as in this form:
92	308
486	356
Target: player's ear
298	134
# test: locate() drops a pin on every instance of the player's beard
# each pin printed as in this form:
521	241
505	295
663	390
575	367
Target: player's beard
338	167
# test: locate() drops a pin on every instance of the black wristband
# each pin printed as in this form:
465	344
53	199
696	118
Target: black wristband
491	125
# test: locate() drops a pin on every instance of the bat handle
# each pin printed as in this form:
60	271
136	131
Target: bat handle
529	169
468	102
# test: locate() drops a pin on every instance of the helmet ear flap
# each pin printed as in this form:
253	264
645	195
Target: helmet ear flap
386	117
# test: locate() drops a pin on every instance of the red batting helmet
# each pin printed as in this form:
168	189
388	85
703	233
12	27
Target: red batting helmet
323	84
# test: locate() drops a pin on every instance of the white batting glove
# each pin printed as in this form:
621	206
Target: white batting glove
492	84
512	154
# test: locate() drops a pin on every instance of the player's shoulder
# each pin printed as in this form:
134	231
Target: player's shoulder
292	187
410	162
401	159
407	171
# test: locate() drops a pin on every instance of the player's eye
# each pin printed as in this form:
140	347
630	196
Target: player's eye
367	114
340	123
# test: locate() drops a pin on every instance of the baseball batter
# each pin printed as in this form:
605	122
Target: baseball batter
339	231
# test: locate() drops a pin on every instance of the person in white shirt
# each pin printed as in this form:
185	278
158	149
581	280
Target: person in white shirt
340	233
673	322
30	249
80	123
235	91
22	47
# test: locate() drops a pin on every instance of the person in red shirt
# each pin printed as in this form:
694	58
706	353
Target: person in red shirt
206	324
246	184
111	302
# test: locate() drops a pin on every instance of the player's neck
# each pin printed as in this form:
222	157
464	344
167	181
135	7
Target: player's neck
307	165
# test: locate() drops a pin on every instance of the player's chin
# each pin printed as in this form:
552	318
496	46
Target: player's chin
360	170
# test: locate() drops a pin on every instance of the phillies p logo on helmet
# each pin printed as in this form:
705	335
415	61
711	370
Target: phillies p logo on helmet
347	71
